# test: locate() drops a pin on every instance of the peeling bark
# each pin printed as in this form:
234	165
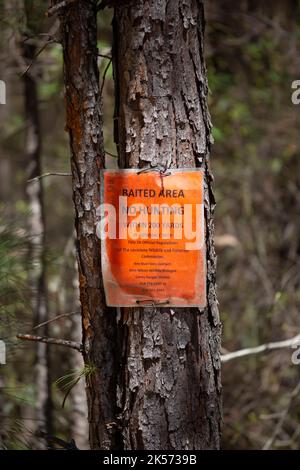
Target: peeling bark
84	124
169	389
156	382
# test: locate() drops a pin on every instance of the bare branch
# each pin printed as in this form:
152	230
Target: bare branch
63	315
282	419
50	41
288	343
104	75
44	175
104	56
49	36
58	342
111	154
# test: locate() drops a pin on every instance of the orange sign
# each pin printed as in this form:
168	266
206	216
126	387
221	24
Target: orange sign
152	238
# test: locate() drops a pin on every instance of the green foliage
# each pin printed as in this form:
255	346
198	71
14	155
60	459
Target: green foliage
68	381
256	164
13	275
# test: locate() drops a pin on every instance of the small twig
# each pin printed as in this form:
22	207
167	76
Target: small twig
105	56
58	342
50	41
111	154
282	419
288	343
55	9
104	75
44	175
63	315
47	35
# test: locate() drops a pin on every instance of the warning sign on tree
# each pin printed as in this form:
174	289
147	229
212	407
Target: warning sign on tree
152	238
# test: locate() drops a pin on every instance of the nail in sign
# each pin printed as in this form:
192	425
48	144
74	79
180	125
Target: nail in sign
152	238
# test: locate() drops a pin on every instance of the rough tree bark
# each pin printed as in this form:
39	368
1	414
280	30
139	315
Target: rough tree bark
155	381
36	227
84	124
169	389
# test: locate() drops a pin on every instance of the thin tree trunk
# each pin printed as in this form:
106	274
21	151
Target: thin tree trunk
5	112
4	423
84	124
79	428
78	412
36	224
170	382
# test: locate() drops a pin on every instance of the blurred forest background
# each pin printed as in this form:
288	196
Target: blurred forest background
253	55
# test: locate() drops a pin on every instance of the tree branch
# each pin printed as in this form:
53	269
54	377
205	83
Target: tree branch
58	342
104	56
282	419
63	315
288	343
44	175
111	154
50	41
104	75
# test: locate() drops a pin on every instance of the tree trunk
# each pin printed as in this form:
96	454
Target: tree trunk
170	383
78	413
78	404
36	224
166	394
84	124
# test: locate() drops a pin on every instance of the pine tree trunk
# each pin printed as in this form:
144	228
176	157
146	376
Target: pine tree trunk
170	382
155	374
84	124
